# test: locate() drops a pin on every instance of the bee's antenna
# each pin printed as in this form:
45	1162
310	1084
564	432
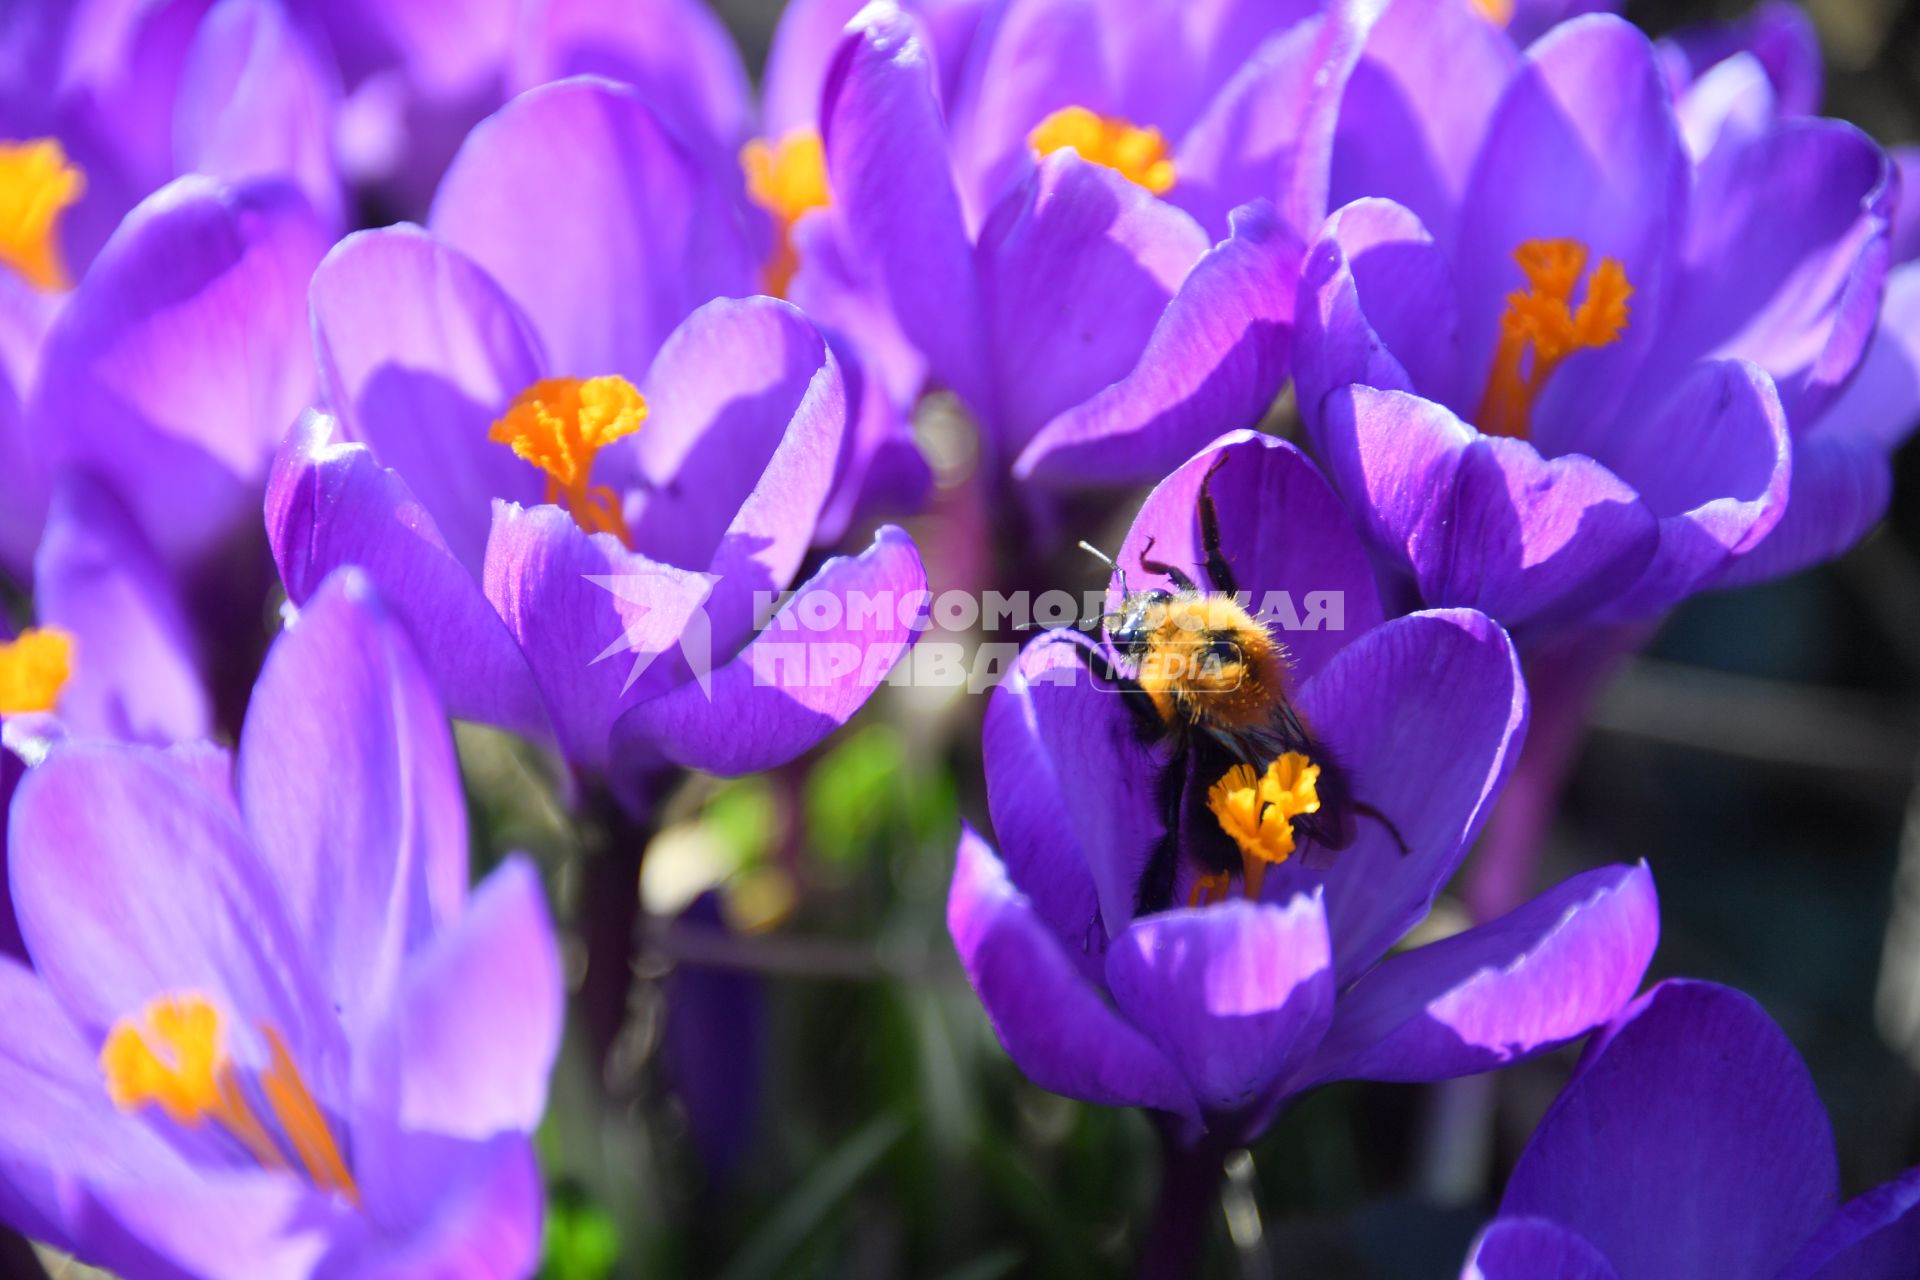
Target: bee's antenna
1107	560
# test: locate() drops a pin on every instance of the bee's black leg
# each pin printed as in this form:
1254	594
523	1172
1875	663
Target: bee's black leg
1366	810
1179	575
1218	570
1155	890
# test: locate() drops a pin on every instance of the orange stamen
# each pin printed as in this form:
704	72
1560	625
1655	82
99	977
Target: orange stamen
173	1054
34	670
1209	888
1541	328
1258	810
560	425
1139	155
1498	12
37	185
300	1119
787	179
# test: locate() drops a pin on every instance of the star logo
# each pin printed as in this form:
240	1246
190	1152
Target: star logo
661	609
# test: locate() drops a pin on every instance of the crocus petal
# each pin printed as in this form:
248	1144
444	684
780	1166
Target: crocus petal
1652	1151
676	52
218	1225
348	780
1786	256
1426	713
257	100
135	673
803	43
1777	35
1875	1236
1715	465
1269	132
816	663
887	159
605	229
1583	145
419	351
472	1032
1417	107
1054	748
1527	1248
747	411
1904	238
1075	271
1515	987
482	1220
1728	107
1053	1022
130	880
11	770
62	1125
1031	59
1841	477
1169	60
599	625
331	504
23	484
1236	995
1283	534
1483	521
182	358
1377	307
1062	783
1217	357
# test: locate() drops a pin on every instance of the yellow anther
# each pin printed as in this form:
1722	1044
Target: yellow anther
173	1054
34	670
1140	155
1541	328
1498	12
36	186
787	179
185	1083
1258	810
560	425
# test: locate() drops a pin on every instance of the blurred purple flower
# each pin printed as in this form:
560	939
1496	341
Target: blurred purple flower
1097	331
1691	1143
570	243
1219	1013
266	1032
1735	85
1566	373
104	102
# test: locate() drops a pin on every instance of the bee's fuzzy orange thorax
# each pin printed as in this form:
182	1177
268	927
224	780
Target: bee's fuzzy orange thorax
1210	662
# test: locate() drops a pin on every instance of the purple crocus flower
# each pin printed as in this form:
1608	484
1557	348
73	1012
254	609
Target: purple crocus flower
1097	331
1219	1013
265	1031
102	103
1560	368
138	417
574	506
1690	1142
1734	85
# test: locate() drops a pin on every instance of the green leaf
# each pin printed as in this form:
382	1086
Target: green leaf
580	1242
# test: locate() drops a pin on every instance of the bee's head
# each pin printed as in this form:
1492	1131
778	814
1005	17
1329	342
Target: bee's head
1140	615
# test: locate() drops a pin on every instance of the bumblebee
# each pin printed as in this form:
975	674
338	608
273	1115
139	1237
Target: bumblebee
1246	782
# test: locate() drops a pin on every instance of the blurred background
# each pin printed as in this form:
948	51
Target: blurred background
806	1086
